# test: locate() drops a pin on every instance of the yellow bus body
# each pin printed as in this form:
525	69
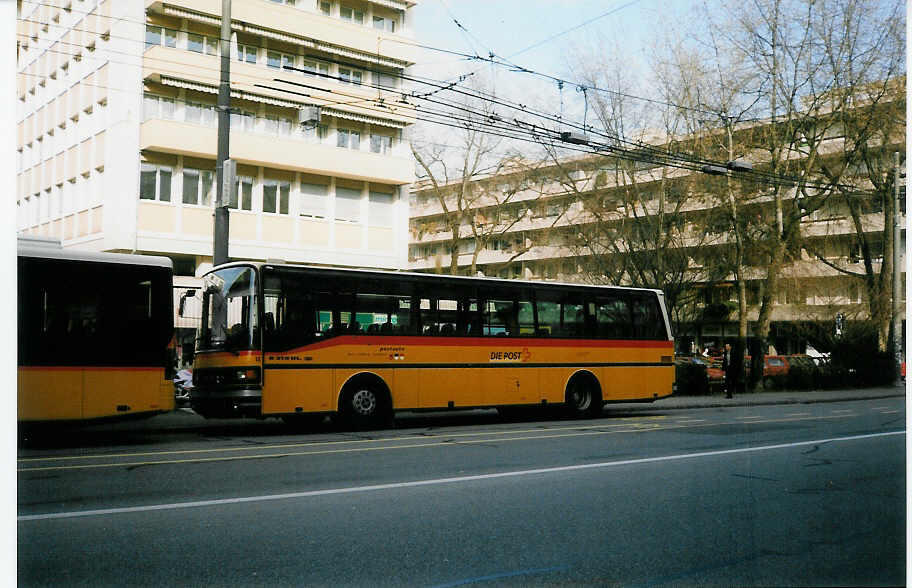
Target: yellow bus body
443	372
84	393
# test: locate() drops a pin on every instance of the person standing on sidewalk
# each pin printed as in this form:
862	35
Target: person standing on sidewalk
732	368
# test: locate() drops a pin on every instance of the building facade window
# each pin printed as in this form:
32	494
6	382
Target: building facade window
348	139
324	7
380	209
315	134
381	143
155	182
350	76
350	14
279	60
156	35
199	186
314	67
348	205
242	193
385	24
386	80
157	107
196	112
242	120
277	125
313	200
275	196
153	36
202	44
195	43
247	53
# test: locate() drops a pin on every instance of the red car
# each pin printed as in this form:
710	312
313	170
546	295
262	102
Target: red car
714	374
775	369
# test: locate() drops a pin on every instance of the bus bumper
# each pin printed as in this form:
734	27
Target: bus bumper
226	404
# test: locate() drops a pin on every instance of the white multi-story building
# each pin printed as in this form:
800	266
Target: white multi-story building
117	128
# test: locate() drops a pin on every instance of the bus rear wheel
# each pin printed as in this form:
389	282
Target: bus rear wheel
583	398
364	405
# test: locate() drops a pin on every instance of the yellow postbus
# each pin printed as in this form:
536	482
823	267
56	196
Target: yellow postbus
93	334
290	341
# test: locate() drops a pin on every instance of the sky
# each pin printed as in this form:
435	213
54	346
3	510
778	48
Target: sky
509	27
541	35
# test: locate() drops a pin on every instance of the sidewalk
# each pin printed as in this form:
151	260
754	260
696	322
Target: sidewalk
765	398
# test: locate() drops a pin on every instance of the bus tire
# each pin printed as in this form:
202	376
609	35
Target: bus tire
583	397
365	404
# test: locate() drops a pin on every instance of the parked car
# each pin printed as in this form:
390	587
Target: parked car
714	372
183	384
775	370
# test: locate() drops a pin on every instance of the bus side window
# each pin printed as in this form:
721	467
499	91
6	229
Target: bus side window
561	315
447	316
469	321
403	315
614	318
526	314
548	318
648	322
574	319
500	318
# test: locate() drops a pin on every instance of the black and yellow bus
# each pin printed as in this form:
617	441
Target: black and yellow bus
288	341
93	334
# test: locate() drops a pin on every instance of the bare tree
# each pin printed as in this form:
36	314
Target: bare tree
483	187
808	61
638	225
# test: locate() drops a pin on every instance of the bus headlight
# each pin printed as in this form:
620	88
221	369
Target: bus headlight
247	375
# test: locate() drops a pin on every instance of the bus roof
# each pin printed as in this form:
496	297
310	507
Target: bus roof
424	276
46	249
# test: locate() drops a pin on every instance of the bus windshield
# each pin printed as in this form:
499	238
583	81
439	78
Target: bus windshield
229	318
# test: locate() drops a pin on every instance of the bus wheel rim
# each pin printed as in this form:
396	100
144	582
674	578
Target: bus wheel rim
581	398
364	402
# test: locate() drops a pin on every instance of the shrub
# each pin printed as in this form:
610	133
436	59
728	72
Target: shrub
855	356
691	379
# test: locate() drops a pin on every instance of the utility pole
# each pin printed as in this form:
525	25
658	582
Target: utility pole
220	227
897	268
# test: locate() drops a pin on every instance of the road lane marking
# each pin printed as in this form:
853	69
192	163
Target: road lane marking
843	411
750	417
890	411
500	576
441	481
325	443
794	414
448	441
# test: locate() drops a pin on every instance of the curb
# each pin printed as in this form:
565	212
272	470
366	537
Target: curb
685	402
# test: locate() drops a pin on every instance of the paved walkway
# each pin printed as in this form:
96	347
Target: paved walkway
760	398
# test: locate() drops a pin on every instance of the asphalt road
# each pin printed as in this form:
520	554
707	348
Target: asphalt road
763	495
